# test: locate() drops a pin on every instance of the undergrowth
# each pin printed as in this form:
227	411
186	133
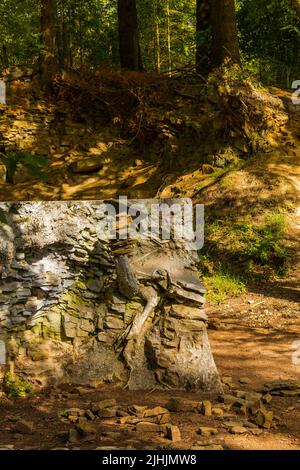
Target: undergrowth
239	252
222	285
34	163
14	386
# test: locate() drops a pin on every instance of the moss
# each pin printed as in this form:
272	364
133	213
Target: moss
74	298
133	305
79	284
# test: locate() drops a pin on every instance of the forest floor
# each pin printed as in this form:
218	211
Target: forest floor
252	335
252	340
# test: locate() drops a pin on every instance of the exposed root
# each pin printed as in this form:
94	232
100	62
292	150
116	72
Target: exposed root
135	333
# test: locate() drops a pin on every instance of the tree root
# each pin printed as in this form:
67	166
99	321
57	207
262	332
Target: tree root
135	333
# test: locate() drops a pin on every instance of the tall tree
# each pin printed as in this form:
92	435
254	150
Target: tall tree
48	38
130	56
225	43
295	4
202	36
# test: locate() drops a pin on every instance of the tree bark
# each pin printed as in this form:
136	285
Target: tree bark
225	43
48	37
130	57
295	4
169	38
5	61
202	29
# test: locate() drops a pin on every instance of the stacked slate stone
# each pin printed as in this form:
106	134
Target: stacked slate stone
62	314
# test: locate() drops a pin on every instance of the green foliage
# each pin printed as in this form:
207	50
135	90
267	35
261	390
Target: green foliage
250	250
87	34
19	31
222	285
266	245
34	163
156	19
15	386
270	40
89	30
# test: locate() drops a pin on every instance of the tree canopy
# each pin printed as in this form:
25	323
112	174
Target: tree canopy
87	34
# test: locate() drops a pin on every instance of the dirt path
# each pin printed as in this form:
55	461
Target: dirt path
253	338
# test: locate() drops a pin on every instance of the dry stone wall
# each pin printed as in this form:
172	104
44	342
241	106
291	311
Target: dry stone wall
63	317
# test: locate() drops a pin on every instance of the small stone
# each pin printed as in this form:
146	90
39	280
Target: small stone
74	412
206	408
108	412
112	434
264	418
122	413
177	405
106	337
145	426
136	410
40	355
206	431
280	385
288	393
290	408
90	415
95	285
227	380
158	410
238	430
128	420
73	419
164	419
101	405
244	380
23	427
253	397
267	398
113	323
85	428
173	433
217	411
239	404
86	166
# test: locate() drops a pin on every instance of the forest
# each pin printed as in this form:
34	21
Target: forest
159	35
185	115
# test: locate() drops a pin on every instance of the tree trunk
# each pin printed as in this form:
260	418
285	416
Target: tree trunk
224	32
169	37
202	32
295	4
5	61
130	57
157	35
66	44
48	37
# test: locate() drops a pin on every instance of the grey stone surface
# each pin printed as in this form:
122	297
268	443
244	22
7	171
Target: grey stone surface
63	317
